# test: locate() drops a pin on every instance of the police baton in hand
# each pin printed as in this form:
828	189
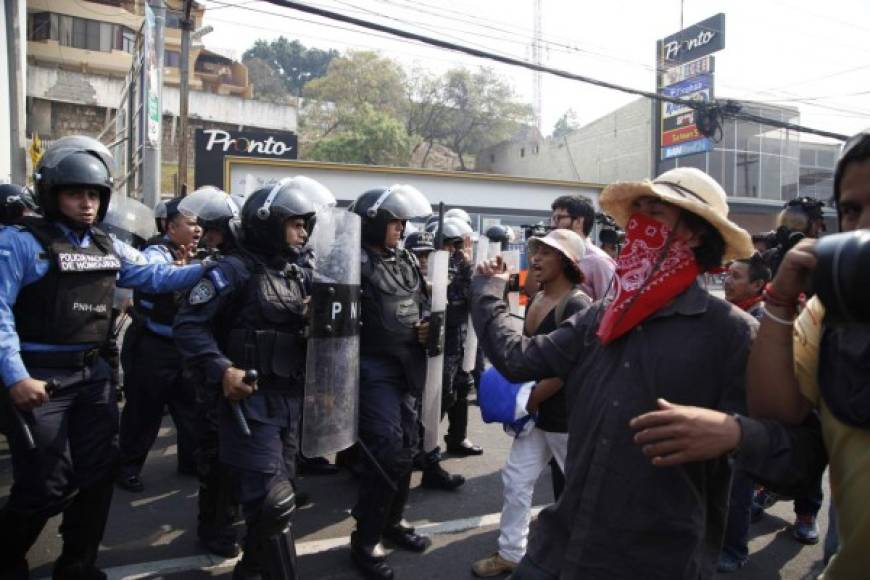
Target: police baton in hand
236	406
51	386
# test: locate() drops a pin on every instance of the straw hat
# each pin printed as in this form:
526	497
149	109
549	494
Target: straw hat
688	188
568	242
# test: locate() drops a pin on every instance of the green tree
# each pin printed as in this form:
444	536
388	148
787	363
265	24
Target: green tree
426	111
567	124
268	84
367	136
294	63
483	111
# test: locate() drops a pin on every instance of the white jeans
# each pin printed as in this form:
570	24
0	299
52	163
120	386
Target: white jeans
529	454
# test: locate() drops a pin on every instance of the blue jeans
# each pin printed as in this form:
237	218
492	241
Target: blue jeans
736	541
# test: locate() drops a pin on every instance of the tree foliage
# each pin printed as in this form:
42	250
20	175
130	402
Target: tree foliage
294	63
367	136
268	84
566	124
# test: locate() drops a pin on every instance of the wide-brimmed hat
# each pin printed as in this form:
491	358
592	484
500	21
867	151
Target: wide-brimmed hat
690	189
567	242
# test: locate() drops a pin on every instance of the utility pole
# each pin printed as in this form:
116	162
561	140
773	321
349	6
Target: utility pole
13	162
186	27
151	158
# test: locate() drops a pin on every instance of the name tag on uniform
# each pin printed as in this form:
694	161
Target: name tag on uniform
73	262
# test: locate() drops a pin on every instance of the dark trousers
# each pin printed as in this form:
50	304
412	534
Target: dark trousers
70	471
388	427
810	504
456	386
154	380
218	494
736	541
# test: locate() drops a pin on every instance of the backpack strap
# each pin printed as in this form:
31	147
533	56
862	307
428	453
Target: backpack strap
563	303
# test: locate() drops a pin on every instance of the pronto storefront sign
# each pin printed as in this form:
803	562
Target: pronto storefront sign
701	39
214	145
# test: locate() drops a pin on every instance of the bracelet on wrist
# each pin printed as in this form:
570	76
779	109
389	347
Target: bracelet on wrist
777	319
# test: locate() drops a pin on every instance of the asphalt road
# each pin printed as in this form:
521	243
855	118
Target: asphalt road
152	534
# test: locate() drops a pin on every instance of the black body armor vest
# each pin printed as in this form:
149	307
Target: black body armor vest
266	328
163	306
392	293
72	303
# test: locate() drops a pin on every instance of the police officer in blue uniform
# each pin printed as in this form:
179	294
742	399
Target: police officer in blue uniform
57	280
152	365
12	203
248	314
392	374
217	499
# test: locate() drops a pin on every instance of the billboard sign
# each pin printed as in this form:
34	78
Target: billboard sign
687	148
701	39
212	146
702	66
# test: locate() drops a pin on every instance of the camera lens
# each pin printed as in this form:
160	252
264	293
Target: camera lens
842	277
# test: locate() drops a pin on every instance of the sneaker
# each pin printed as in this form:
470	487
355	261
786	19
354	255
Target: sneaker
805	529
729	563
764	498
493	565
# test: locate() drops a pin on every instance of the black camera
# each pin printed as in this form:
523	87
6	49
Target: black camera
842	277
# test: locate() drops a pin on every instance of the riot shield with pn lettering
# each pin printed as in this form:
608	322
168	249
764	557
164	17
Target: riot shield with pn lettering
331	404
469	356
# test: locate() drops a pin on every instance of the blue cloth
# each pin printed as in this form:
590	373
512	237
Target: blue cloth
23	262
157	254
497	397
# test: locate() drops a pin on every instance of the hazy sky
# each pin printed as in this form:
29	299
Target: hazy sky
801	52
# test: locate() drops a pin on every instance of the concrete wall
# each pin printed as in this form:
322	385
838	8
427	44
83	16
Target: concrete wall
614	147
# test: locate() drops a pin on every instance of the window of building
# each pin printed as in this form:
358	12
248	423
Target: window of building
808	157
172	58
92	34
128	40
173	19
522	151
65	34
40	26
536	149
492	157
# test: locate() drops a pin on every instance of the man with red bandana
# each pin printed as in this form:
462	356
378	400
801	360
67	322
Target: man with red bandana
662	343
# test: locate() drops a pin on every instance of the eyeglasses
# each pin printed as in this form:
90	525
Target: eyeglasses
556	218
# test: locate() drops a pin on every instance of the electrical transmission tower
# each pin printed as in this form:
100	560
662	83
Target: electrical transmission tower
538	59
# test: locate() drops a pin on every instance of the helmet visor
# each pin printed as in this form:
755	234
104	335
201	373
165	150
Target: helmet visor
404	202
208	204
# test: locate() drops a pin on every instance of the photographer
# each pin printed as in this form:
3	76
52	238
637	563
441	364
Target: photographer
812	363
800	218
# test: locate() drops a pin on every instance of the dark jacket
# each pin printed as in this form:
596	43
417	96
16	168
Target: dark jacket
621	517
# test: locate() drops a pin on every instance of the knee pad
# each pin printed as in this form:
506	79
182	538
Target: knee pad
277	510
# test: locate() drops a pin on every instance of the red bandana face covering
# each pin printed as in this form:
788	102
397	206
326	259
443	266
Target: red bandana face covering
653	268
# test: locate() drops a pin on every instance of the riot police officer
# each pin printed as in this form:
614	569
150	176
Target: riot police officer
218	215
152	365
392	373
59	275
457	383
247	315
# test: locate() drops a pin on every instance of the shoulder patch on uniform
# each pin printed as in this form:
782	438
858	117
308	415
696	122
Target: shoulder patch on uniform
218	278
202	292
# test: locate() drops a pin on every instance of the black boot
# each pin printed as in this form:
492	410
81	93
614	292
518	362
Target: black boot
397	530
369	558
84	523
18	532
435	477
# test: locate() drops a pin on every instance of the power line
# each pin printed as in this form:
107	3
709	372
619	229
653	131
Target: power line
730	109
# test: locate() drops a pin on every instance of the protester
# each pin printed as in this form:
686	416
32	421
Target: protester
744	287
553	262
801	364
576	213
662	339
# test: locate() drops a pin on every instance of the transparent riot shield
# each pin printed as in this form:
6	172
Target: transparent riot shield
331	405
469	357
512	261
431	416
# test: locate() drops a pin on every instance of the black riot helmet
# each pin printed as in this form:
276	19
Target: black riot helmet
70	163
267	209
213	208
378	207
454	229
12	204
500	233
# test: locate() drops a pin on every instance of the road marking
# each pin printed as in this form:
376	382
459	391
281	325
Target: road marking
208	562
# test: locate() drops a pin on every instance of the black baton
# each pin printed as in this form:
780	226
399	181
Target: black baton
236	406
51	386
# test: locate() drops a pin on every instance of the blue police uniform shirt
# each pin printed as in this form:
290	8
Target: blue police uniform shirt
157	254
23	262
